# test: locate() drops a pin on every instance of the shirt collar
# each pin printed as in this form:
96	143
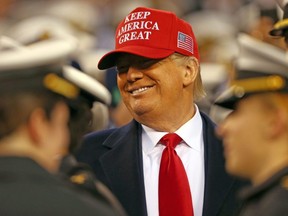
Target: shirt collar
190	132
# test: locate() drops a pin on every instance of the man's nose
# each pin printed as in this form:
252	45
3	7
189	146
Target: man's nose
134	74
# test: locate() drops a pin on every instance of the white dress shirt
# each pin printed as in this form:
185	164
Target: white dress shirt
191	152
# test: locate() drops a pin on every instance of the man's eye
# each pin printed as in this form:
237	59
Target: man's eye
147	63
122	69
139	64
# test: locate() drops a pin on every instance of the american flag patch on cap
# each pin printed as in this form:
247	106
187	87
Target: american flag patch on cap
185	42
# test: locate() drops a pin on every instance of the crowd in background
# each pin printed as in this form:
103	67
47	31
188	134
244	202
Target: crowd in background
215	23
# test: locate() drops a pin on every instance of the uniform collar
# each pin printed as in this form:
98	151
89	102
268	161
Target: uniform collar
278	179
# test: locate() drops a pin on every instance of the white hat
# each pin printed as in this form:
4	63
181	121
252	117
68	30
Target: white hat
35	28
88	84
43	63
14	55
260	67
31	29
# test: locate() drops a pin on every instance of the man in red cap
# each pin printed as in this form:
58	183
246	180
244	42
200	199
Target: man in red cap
157	59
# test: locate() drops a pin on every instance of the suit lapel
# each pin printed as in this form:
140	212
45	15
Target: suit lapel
217	182
123	168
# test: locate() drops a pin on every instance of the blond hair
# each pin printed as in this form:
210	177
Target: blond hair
198	89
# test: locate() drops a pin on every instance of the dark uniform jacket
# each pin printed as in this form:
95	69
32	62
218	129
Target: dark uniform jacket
82	177
115	155
26	189
267	199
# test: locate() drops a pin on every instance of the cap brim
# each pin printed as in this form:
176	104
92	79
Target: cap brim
227	99
87	84
229	103
109	60
277	32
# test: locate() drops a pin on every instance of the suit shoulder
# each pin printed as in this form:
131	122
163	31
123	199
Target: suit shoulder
207	120
99	134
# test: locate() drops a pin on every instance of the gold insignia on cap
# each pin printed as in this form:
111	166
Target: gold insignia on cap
279	27
281	24
45	35
78	179
270	83
60	86
284	182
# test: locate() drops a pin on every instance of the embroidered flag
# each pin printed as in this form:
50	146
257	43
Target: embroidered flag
185	42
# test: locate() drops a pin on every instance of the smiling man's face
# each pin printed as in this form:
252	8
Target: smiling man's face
151	89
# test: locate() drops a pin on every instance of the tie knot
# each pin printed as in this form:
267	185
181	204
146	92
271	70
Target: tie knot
171	140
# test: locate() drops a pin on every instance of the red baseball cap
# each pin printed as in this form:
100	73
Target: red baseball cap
151	33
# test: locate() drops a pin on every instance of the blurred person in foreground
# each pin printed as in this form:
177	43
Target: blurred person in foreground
37	99
158	77
255	133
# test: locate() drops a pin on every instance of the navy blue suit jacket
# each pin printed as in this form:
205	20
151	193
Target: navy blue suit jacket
115	155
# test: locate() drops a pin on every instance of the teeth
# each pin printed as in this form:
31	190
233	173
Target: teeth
140	90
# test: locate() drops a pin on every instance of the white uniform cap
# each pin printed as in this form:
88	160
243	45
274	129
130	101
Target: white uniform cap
37	59
260	67
34	28
88	84
260	57
31	29
39	54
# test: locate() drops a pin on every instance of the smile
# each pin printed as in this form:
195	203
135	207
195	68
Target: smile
140	90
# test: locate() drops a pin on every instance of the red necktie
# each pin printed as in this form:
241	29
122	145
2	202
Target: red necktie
174	191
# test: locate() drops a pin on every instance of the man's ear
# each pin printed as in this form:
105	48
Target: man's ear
37	125
278	123
191	71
